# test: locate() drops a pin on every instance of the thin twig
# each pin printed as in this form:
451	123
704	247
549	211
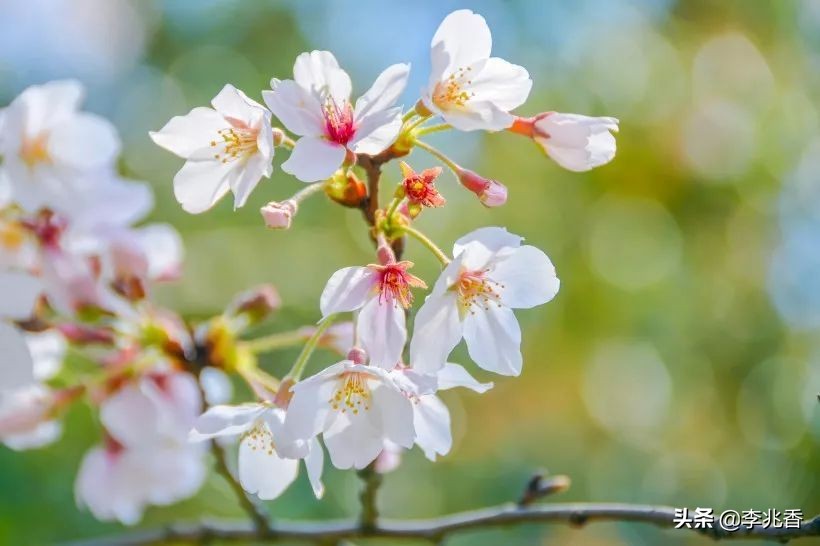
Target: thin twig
371	481
436	529
257	513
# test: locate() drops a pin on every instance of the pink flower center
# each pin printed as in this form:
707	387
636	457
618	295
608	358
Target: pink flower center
353	393
339	125
394	283
475	288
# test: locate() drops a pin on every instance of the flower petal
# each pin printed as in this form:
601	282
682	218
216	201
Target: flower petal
528	278
463	38
254	169
384	92
296	108
17	369
347	290
377	132
233	103
309	410
87	141
437	330
319	72
18	294
261	470
493	339
431	420
353	443
192	133
314	159
314	463
501	83
200	184
453	375
225	420
395	413
381	327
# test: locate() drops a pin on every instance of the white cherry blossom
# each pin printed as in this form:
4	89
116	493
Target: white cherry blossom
577	143
381	293
49	148
268	457
227	148
491	275
356	408
467	87
316	105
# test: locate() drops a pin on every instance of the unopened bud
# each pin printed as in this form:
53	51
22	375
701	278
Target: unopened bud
346	189
357	355
82	335
255	304
278	136
490	192
279	215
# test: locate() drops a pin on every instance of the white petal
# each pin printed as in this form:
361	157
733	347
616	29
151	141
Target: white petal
49	104
163	247
377	132
233	103
384	92
353	444
577	143
192	133
18	294
216	385
431	419
296	108
527	276
167	473
501	83
117	416
463	38
261	470
347	290
225	421
200	184
87	141
42	435
492	238
309	408
494	339
319	72
395	412
453	375
382	332
437	330
252	172
47	350
314	463
314	159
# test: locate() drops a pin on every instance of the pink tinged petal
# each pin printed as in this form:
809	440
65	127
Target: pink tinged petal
163	247
314	159
261	470
319	73
117	416
40	436
225	421
167	473
463	38
577	143
296	108
314	463
347	290
353	443
383	94
382	331
453	375
233	103
431	420
18	294
377	132
191	135
528	278
395	412
86	142
437	330
200	184
493	339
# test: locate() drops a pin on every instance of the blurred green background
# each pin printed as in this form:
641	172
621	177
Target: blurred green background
680	362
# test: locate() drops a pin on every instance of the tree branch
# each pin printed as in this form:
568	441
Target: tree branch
371	481
435	529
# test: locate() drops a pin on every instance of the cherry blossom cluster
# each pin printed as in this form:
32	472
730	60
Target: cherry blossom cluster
78	324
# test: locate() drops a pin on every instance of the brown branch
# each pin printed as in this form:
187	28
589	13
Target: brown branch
435	529
371	481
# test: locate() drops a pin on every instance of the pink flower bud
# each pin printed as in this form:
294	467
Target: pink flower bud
279	215
490	192
357	355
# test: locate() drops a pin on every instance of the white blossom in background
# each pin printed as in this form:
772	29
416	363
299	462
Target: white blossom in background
491	274
146	460
50	148
577	143
19	292
356	408
381	293
468	88
227	148
316	105
268	458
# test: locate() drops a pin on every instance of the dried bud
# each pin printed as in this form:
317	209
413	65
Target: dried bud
255	305
346	189
279	215
490	192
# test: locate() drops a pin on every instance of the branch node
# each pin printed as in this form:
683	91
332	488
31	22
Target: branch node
540	486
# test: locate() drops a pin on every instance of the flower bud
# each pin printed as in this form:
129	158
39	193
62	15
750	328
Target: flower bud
279	215
346	189
490	192
255	305
82	335
357	355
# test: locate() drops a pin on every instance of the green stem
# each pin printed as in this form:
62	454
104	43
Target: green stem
298	368
279	340
443	158
391	209
431	246
408	115
303	194
414	124
433	129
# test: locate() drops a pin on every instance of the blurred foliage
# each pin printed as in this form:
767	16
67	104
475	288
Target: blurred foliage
679	364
